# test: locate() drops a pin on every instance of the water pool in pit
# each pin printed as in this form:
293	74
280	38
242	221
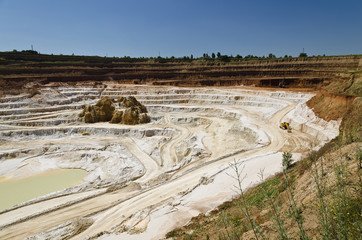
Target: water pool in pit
13	192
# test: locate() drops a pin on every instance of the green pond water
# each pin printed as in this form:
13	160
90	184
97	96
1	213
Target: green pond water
14	192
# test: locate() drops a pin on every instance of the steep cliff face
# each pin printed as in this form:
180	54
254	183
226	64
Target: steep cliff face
329	106
342	100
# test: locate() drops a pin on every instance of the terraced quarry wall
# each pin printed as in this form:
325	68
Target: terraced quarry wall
294	72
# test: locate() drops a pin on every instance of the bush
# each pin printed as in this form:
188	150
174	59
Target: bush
287	160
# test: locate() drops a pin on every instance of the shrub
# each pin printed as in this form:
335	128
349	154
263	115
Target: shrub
287	160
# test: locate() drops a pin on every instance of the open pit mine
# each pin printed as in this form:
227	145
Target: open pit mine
62	177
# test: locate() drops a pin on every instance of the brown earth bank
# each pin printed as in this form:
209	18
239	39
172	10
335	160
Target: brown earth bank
330	106
341	100
19	69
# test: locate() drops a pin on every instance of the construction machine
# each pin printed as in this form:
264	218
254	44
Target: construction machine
282	83
285	126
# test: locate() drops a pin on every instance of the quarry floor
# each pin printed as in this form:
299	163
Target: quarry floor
140	182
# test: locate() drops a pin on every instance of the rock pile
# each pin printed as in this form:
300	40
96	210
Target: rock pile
101	112
125	110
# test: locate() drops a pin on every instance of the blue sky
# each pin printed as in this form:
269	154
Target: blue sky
182	27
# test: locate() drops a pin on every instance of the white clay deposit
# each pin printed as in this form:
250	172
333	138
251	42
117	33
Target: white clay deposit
144	180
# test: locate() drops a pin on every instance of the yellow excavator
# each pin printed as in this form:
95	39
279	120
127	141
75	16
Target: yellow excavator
285	126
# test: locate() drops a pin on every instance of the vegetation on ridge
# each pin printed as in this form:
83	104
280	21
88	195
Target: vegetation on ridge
33	55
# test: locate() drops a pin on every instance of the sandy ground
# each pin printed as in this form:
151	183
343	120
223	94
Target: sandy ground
145	180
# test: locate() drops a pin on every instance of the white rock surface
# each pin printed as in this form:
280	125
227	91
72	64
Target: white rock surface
144	180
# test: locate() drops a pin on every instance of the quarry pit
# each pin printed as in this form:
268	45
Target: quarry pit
140	181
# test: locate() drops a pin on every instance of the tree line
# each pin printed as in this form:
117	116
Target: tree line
212	57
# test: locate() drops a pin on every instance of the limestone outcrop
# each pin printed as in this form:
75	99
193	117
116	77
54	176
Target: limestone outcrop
125	110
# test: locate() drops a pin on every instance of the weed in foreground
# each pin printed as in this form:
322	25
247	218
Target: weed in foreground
339	201
243	204
294	211
272	204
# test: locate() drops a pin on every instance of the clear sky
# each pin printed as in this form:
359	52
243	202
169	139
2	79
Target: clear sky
182	27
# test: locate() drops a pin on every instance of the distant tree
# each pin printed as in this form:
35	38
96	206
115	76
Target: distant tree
218	55
15	51
192	56
271	55
205	55
285	56
239	56
224	58
213	55
30	52
303	55
250	56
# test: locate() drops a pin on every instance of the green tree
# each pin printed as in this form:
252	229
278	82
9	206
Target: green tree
218	54
213	55
271	55
303	55
224	58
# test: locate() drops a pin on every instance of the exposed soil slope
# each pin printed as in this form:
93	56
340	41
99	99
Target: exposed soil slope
341	100
330	106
